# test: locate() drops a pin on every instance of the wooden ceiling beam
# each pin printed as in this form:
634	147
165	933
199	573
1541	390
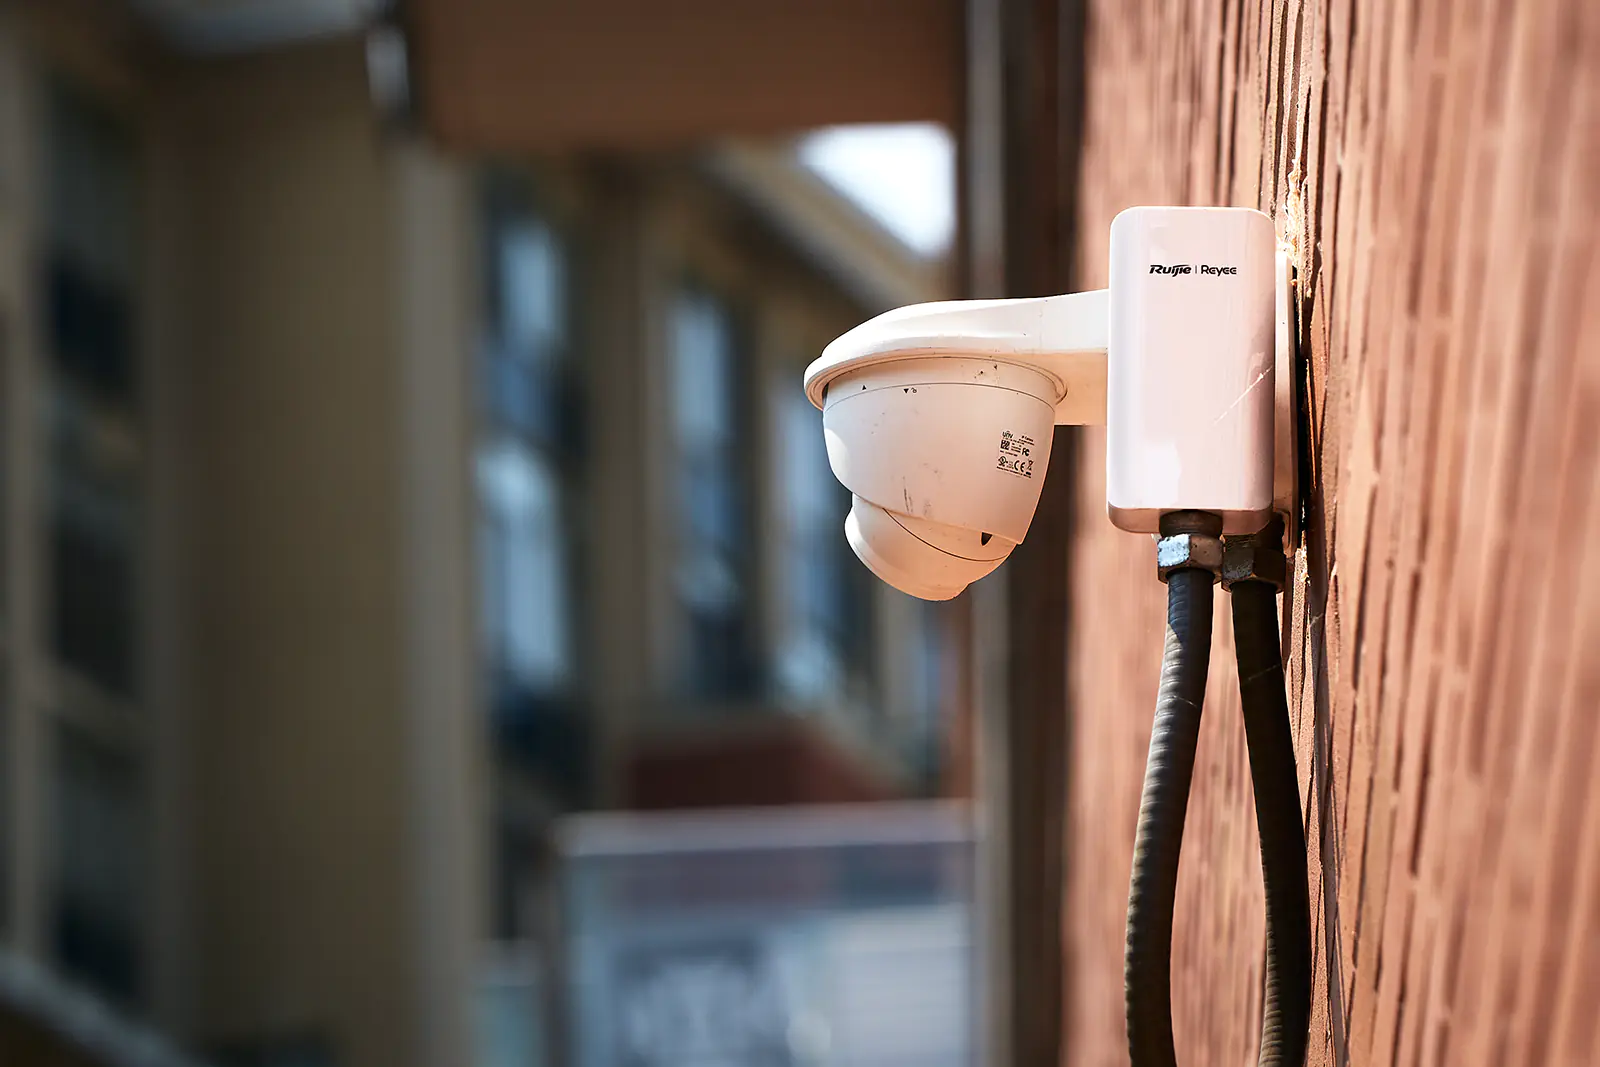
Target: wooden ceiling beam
509	76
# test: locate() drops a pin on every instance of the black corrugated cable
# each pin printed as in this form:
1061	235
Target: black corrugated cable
1152	888
1189	556
1286	998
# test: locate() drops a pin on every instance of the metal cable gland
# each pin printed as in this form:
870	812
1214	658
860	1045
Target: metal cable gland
1190	540
1256	557
1189	551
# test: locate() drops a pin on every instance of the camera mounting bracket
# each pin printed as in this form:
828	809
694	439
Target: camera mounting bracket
1063	337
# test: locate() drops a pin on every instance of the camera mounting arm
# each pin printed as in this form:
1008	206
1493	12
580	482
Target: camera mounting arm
1062	337
1065	337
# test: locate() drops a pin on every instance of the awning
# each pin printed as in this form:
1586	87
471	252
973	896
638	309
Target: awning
510	76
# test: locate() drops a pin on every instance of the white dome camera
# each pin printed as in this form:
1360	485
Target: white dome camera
938	417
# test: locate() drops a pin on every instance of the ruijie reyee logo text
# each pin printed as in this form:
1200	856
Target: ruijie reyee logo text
1190	268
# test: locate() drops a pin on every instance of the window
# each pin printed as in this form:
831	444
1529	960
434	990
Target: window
92	417
524	567
826	651
94	502
98	898
710	483
528	466
526	461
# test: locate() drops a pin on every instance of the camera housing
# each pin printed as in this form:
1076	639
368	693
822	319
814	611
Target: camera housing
938	417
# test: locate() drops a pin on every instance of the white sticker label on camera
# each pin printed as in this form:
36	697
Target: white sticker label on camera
1016	454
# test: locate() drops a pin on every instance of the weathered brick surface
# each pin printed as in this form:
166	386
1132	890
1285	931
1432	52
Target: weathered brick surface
1439	164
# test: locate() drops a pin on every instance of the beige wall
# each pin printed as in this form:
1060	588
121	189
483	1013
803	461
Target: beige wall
1436	164
308	720
303	869
436	287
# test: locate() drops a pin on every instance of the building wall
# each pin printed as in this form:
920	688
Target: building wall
43	50
312	297
1435	164
297	720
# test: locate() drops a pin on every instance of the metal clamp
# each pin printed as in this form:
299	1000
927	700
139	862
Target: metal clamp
1256	557
1190	540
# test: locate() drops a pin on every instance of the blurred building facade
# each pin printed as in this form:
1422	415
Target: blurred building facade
367	507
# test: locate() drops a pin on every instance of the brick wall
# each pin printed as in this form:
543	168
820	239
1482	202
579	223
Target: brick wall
1439	164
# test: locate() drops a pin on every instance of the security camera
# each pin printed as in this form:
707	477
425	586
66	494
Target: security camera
938	417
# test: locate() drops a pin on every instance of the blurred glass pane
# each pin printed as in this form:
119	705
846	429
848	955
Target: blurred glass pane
782	938
525	465
702	374
523	566
99	891
712	477
91	417
828	644
526	370
93	541
510	1024
532	291
90	242
919	726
